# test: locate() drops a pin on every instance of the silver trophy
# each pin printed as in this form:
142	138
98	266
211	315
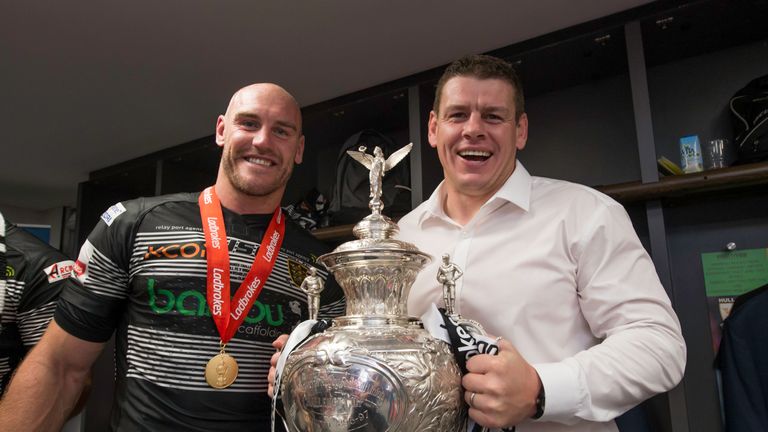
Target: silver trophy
375	369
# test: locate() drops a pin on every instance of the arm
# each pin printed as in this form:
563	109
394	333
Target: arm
40	272
642	351
49	382
636	348
458	273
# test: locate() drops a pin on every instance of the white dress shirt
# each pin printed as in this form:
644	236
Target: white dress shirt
557	269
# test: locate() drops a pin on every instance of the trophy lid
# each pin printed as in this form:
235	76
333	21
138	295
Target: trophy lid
376	272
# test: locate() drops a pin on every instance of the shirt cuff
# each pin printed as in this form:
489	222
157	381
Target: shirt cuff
565	396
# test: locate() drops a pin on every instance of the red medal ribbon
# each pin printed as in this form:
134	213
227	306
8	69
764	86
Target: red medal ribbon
227	318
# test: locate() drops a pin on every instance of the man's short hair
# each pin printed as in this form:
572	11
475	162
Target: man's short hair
483	67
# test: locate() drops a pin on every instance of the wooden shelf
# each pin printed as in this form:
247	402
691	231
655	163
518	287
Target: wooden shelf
688	184
667	187
338	233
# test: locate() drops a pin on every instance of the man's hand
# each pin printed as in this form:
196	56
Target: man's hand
505	388
279	343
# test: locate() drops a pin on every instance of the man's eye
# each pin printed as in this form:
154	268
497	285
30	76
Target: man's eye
494	118
457	115
250	124
282	132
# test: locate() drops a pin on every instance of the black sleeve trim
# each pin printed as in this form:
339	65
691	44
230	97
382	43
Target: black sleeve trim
83	324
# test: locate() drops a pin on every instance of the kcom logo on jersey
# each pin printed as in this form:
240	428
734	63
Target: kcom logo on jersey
176	250
195	249
193	303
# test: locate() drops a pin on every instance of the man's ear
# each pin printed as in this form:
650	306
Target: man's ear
220	122
522	132
299	151
432	129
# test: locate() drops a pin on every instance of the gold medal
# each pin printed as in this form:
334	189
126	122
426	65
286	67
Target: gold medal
221	370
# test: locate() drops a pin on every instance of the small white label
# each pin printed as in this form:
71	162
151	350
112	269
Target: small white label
112	213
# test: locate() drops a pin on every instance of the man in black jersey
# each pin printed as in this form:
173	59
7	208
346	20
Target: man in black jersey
31	275
150	273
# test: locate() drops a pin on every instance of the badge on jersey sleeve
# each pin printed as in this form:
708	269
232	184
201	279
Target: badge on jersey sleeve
112	213
80	268
59	271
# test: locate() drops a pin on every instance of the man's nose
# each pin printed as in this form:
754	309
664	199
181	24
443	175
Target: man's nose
474	127
260	137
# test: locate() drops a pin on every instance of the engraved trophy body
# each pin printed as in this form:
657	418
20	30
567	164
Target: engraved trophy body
375	369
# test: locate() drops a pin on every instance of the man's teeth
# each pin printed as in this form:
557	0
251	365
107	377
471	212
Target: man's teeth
259	161
476	153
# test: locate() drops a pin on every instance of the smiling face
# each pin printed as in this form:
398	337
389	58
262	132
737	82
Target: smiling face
262	140
477	135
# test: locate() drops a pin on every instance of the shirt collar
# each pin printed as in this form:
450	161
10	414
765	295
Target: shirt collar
516	190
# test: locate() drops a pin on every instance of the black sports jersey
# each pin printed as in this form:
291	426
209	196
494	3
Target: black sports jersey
31	282
142	272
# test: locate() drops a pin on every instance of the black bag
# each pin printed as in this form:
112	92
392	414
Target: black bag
749	110
310	212
351	193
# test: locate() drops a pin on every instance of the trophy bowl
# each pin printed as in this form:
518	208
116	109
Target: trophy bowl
375	369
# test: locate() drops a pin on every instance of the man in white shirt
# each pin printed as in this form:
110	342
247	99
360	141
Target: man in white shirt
552	267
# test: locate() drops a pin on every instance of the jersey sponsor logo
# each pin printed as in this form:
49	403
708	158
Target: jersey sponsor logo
112	213
295	307
79	268
186	250
192	303
83	259
10	272
59	271
195	250
259	330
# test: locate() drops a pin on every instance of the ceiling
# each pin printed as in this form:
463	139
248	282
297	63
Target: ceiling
88	84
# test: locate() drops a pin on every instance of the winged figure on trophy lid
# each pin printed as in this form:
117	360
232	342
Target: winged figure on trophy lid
377	167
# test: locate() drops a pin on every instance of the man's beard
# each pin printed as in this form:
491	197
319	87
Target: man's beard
257	189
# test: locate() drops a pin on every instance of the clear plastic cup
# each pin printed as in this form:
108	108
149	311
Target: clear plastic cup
714	153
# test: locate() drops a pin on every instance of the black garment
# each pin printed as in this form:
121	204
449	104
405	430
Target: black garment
142	272
743	362
32	277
